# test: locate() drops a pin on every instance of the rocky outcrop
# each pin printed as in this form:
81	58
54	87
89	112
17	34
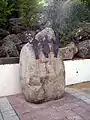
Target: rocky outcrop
17	29
84	49
10	44
41	80
68	52
12	38
83	32
10	49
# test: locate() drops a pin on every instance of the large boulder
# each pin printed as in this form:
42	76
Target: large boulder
42	79
84	49
2	52
68	52
10	44
13	38
47	31
10	49
83	32
17	29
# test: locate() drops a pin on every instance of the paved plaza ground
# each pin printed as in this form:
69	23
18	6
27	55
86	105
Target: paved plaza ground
74	105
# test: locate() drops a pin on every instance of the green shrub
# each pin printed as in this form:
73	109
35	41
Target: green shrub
5	12
66	17
87	1
28	11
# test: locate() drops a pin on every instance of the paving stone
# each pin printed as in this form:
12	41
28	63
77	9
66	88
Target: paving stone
11	118
82	97
88	96
84	114
9	113
75	118
84	105
71	105
68	107
72	115
87	101
16	99
5	108
22	109
3	100
5	105
1	117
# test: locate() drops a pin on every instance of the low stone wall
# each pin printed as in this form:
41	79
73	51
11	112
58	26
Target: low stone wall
76	71
9	79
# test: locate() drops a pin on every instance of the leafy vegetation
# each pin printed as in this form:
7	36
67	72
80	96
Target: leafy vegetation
87	1
25	9
66	16
28	11
64	19
6	10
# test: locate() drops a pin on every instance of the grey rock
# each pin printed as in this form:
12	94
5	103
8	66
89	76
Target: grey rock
10	49
68	52
12	38
84	49
2	52
15	21
83	32
17	29
47	31
26	36
43	79
10	44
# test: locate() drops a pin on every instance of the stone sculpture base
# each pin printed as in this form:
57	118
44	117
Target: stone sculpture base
43	79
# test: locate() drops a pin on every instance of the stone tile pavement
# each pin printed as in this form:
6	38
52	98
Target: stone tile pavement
74	105
6	110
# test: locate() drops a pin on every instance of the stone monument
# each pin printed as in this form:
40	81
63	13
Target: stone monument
42	72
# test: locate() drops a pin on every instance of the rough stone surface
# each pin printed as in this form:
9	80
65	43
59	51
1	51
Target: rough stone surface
84	49
25	36
42	79
12	38
9	47
83	32
17	29
68	52
47	31
2	52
